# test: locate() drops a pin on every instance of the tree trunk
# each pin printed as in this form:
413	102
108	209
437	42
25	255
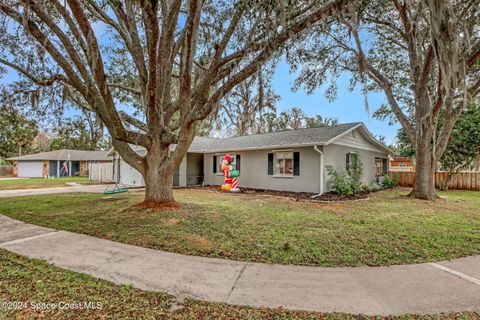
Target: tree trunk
158	183
425	167
445	182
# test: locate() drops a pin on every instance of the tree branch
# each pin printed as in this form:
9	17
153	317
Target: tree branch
45	81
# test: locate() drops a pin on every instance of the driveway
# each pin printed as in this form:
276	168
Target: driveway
422	288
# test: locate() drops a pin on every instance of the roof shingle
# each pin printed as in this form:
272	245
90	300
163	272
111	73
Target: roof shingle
65	154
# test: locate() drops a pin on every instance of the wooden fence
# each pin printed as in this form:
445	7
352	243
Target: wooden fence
6	171
460	181
101	172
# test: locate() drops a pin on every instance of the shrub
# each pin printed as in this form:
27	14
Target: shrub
355	170
391	181
349	182
372	187
341	182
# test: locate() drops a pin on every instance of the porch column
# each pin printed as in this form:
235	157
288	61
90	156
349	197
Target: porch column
58	168
182	173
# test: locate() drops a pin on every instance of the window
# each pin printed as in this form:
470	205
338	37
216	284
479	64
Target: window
283	163
350	158
380	167
219	159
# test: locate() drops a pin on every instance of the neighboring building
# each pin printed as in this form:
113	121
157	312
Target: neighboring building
288	161
58	163
401	164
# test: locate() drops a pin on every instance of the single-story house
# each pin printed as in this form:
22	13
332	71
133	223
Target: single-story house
292	160
58	163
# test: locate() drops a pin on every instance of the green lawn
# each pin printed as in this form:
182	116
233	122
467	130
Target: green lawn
35	284
35	183
384	230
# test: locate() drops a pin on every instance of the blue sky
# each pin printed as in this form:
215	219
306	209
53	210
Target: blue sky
348	107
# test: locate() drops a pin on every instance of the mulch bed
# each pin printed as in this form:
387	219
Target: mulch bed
298	196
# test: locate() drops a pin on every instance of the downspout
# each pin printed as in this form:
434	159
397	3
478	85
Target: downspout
320	152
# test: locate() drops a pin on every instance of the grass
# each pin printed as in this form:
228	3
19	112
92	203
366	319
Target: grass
384	230
36	183
35	283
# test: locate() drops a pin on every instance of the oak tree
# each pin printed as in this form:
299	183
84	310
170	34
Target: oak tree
172	60
422	54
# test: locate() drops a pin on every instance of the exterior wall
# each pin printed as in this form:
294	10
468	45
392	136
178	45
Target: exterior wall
355	139
130	176
334	155
254	172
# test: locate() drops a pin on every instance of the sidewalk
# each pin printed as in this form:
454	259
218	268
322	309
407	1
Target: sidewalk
421	288
55	190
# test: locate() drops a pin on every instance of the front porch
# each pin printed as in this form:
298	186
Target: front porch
190	171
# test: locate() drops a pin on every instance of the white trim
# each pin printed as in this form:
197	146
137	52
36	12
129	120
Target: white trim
368	136
233	154
358	147
283	175
322	169
289	146
343	134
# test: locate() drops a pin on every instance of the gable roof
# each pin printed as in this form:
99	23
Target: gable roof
65	154
280	139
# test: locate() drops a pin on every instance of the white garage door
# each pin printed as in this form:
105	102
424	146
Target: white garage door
30	169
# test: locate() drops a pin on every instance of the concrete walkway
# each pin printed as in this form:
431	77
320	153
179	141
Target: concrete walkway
54	190
422	288
74	187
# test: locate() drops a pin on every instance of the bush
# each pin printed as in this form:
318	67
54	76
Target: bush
390	182
348	182
341	182
355	170
372	187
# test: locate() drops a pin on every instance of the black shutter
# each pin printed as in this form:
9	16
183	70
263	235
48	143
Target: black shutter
385	166
214	164
347	160
296	163
237	162
270	164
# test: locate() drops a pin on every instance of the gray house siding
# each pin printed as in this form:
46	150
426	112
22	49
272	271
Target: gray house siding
130	176
335	156
254	171
334	142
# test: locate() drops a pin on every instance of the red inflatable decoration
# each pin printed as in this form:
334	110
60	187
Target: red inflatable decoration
229	175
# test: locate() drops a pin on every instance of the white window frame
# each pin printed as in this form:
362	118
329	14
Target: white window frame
275	160
220	160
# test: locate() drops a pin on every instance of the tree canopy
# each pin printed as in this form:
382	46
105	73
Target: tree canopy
16	133
423	55
171	61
